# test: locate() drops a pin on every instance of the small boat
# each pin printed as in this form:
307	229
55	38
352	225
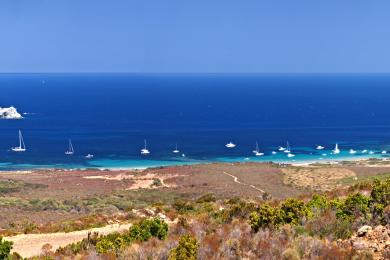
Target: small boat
281	148
336	149
257	153
287	150
22	146
384	152
273	152
89	156
183	155
352	151
176	150
145	149
371	152
319	147
364	151
70	150
289	155
230	145
324	154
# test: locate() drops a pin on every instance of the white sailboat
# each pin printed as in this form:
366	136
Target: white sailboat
336	149
273	152
176	150
230	145
384	152
320	147
89	156
365	151
22	146
70	150
371	152
287	150
281	148
145	149
352	151
257	153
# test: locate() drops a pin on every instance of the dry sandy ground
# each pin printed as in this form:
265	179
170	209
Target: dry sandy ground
29	245
316	178
138	181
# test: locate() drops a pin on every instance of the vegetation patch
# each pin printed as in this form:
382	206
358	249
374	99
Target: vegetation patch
8	186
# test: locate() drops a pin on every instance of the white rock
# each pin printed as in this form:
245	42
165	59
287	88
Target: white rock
363	230
9	113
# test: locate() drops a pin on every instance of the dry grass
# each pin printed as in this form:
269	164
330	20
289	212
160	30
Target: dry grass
316	178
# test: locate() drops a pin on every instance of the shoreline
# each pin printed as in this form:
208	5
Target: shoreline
125	165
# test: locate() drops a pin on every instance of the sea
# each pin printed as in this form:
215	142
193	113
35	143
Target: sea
111	116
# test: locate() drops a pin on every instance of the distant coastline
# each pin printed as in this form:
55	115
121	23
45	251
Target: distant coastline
123	164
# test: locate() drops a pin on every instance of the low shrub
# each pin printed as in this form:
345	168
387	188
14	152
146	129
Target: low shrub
187	249
142	231
294	211
5	248
266	216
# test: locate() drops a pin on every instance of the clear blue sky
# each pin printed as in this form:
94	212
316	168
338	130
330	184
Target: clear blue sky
195	36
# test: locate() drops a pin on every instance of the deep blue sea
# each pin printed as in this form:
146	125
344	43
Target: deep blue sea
110	115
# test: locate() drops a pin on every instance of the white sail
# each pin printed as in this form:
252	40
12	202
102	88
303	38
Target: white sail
257	153
256	148
70	150
176	150
336	149
145	150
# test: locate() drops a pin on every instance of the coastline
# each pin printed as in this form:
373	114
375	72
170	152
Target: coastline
123	164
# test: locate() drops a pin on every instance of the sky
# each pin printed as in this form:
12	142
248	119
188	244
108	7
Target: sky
195	36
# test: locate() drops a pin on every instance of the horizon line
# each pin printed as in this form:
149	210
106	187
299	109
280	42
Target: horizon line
205	73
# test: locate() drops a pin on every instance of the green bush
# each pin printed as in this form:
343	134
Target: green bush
236	209
158	228
266	216
318	202
293	211
381	192
182	206
5	248
141	231
380	197
355	205
187	249
105	245
83	245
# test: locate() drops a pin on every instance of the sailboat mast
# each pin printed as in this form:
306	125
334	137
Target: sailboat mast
20	139
22	145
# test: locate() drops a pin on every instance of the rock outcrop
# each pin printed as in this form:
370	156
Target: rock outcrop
9	113
374	240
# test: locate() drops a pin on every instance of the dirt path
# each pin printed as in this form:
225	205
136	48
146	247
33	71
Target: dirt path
235	179
29	245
